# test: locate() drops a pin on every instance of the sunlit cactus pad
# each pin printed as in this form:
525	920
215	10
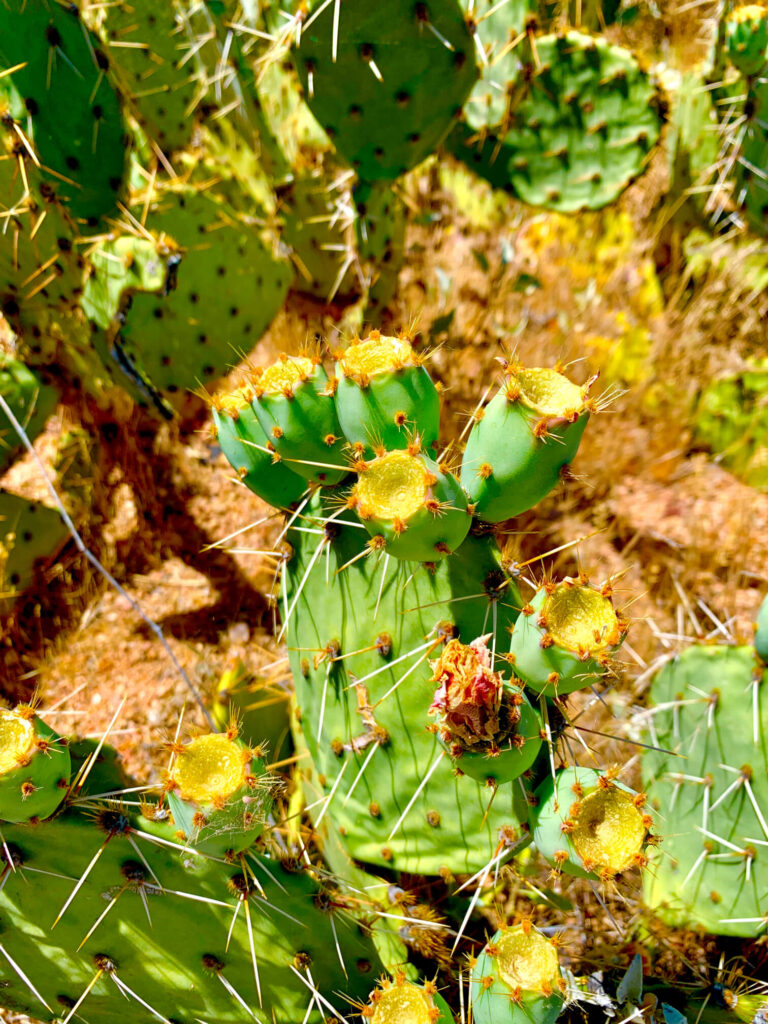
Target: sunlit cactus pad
707	783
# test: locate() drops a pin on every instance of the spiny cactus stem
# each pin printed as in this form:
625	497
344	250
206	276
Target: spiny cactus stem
88	554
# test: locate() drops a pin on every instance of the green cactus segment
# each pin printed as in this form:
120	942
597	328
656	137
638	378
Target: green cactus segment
578	126
219	794
564	639
244	443
710	708
731	419
401	73
405	1002
516	979
359	647
35	766
587	825
30	401
147	43
761	631
380	226
30	532
260	707
317	225
76	123
410	506
746	38
294	405
524	437
385	397
163	942
196	331
485	722
751	185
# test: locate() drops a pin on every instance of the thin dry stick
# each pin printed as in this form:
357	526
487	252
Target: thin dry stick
100	568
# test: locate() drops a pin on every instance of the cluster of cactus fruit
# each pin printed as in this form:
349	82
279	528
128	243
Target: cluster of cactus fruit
429	736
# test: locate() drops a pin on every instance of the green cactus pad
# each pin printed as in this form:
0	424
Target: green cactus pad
219	794
243	441
228	288
587	825
294	405
30	532
516	979
31	402
317	225
385	396
163	942
564	639
761	631
520	442
35	766
365	713
147	43
75	118
751	184
485	721
380	228
411	506
580	123
401	74
746	38
710	709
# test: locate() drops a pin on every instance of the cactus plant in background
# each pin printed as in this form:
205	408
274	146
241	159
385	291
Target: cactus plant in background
707	774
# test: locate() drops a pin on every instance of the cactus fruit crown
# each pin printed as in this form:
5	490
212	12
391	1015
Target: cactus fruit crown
375	355
401	1002
17	739
546	391
470	695
209	767
580	618
284	375
395	485
526	959
608	829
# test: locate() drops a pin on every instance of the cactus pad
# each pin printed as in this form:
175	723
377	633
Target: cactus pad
581	121
712	800
363	692
386	81
76	122
31	402
229	287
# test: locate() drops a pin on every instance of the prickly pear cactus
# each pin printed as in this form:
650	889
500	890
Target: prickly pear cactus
706	780
385	81
73	113
573	125
227	276
31	402
149	49
30	533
